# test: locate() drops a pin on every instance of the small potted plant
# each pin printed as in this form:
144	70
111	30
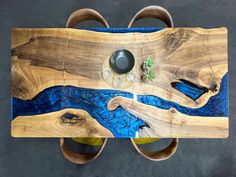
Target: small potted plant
148	64
149	75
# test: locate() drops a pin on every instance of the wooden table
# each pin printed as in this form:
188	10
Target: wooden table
63	85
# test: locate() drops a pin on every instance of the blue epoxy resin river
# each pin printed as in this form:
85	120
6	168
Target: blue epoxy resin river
120	122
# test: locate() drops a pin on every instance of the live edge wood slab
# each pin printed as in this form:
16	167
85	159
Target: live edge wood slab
63	86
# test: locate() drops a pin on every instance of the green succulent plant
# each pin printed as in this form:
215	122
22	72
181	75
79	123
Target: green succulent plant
148	63
149	75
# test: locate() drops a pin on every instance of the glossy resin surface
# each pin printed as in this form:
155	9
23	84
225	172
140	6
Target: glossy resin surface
57	91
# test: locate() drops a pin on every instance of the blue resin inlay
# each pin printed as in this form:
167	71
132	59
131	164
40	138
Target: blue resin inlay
190	91
120	122
217	106
125	30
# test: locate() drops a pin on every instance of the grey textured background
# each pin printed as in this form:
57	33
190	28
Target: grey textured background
42	157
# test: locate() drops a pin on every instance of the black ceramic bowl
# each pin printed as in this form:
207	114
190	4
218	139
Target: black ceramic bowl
122	61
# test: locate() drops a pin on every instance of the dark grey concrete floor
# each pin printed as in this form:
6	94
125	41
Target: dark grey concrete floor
42	157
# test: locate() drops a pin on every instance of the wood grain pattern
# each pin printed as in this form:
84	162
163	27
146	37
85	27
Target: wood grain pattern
171	123
195	55
44	58
51	125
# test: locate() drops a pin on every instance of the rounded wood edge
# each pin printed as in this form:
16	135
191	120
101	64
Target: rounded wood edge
153	12
83	15
163	154
80	158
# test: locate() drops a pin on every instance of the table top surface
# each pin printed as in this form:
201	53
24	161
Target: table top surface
64	86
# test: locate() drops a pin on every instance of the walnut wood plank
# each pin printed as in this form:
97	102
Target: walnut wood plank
171	123
52	125
195	55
